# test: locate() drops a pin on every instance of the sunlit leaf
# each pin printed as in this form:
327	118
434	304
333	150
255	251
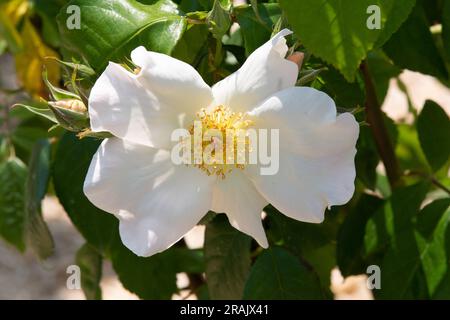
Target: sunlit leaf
90	263
277	274
118	26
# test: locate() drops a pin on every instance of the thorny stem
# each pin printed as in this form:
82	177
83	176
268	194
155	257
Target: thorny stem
376	122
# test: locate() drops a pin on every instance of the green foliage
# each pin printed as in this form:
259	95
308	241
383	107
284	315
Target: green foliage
227	258
313	244
367	159
383	70
346	95
13	175
277	275
37	233
47	11
336	30
350	240
40	109
425	57
90	263
395	18
149	278
153	277
190	48
433	127
118	26
256	29
432	235
219	20
390	235
408	149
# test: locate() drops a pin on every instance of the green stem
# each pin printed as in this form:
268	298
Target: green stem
375	119
218	53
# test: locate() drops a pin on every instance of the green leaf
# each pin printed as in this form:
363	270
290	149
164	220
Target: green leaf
70	167
219	20
412	47
5	149
150	278
58	93
416	262
307	76
154	277
90	263
382	71
189	48
256	31
396	17
40	109
13	175
47	11
187	260
69	119
398	212
190	5
430	216
350	240
335	30
277	275
313	244
401	277
408	150
254	4
227	258
433	127
346	95
110	29
37	233
367	158
432	232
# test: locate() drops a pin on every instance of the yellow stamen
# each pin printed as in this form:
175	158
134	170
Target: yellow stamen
230	125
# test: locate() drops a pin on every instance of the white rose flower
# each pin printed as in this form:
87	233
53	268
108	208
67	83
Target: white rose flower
157	202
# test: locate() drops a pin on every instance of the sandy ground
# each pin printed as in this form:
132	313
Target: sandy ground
23	277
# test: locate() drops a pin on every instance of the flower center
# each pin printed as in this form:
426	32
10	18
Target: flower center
221	141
